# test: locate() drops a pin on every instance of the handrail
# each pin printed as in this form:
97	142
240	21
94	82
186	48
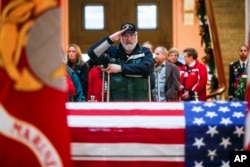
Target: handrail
216	50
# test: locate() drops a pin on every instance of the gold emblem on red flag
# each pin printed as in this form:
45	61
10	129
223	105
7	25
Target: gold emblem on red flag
16	20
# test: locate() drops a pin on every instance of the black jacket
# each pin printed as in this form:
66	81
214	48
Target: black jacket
235	71
132	83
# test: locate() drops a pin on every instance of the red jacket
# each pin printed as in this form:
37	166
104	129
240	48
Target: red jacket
95	83
71	87
195	79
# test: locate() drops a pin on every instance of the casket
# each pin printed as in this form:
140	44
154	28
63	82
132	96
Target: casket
141	134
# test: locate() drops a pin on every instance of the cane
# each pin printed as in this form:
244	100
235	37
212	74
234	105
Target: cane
108	87
149	89
158	86
103	82
157	70
103	76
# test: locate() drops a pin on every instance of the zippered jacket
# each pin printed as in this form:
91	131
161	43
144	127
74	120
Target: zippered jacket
194	79
132	83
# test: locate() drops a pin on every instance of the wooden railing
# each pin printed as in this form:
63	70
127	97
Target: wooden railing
216	51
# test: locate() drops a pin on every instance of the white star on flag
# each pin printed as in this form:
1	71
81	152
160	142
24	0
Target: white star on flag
236	104
211	114
238	114
197	109
224	109
225	164
212	131
239	131
199	143
212	153
225	142
226	121
198	121
209	104
198	164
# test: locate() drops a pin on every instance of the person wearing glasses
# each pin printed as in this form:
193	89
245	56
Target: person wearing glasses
127	63
173	57
193	77
236	70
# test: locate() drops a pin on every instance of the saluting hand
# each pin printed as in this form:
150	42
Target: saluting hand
117	35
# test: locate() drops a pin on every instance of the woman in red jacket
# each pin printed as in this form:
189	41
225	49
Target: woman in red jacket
95	83
71	88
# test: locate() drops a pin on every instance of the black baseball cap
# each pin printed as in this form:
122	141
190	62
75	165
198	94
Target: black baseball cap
131	28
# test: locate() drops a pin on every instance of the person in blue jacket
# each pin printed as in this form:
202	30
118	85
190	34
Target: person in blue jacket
128	64
78	97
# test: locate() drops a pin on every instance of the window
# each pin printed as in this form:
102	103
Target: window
147	16
93	17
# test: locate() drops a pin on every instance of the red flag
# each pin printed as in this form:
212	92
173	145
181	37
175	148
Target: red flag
247	122
33	126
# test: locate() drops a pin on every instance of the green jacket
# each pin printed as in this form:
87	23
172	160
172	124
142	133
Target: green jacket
128	88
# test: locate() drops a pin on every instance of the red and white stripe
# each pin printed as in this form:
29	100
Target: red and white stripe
127	134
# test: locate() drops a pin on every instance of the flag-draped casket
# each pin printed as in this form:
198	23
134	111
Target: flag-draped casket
155	134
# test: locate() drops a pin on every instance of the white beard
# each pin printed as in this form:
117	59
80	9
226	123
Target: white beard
129	47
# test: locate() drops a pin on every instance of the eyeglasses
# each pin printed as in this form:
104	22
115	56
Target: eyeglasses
126	36
173	55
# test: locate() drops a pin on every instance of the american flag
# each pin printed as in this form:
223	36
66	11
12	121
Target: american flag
212	131
193	134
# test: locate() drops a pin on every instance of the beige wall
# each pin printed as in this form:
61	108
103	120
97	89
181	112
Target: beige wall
230	21
64	24
185	35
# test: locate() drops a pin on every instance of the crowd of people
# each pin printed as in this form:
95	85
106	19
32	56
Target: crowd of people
129	71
